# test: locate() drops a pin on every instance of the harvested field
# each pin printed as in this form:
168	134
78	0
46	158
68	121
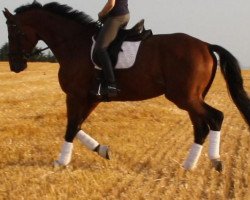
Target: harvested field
149	140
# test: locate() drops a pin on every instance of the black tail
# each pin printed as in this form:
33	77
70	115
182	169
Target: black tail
231	71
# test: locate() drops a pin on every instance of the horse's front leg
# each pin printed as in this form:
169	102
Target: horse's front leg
77	112
74	117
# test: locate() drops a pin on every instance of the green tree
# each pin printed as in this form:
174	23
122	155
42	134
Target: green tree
50	57
4	52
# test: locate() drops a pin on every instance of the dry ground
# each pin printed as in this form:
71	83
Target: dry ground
149	141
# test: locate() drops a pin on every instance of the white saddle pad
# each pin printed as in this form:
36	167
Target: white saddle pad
126	57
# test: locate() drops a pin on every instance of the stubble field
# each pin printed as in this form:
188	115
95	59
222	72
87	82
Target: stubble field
149	141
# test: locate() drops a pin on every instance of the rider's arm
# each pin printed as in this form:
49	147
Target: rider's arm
108	7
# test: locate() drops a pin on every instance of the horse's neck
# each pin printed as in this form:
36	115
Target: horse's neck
62	35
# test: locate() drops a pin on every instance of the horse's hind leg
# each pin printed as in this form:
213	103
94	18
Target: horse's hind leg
201	131
204	117
214	120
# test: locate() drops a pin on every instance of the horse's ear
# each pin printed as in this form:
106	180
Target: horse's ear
7	14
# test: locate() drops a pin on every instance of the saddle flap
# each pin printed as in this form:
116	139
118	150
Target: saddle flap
123	59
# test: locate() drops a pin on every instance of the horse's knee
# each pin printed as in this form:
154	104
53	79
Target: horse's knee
71	132
201	133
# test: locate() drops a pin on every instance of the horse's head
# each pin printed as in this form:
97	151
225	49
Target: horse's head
22	40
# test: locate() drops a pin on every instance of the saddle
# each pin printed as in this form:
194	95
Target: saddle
136	33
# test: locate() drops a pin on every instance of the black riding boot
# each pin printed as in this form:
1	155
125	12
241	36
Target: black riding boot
109	89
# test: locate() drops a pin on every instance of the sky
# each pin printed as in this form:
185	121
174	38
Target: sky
222	22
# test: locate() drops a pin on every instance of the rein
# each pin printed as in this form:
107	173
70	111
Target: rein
19	33
99	24
37	52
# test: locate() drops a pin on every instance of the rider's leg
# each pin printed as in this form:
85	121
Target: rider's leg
100	54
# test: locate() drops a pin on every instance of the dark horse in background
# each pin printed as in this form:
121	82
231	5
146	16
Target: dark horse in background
177	65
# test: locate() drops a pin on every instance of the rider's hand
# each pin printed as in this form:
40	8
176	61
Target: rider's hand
101	18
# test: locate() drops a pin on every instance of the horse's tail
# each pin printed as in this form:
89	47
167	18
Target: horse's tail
231	71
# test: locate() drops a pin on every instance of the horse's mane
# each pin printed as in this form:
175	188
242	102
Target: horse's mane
56	8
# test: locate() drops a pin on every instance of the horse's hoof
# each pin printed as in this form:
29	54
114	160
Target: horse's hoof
217	164
103	151
57	164
188	166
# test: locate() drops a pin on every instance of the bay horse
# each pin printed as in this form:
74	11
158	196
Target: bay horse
177	65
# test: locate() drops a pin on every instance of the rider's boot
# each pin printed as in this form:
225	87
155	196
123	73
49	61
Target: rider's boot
110	88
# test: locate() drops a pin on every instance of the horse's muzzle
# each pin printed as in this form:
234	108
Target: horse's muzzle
18	67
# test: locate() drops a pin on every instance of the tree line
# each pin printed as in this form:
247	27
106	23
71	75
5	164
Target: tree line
41	57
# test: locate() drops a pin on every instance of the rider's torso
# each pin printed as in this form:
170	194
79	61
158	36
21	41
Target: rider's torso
120	8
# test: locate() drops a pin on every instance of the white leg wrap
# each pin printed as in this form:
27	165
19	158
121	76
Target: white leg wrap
193	157
214	144
66	152
86	140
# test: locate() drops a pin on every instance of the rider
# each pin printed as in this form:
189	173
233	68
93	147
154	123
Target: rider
114	16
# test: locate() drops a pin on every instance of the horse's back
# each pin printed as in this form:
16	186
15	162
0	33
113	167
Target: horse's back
176	43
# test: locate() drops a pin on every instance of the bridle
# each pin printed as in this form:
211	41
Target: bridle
19	34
